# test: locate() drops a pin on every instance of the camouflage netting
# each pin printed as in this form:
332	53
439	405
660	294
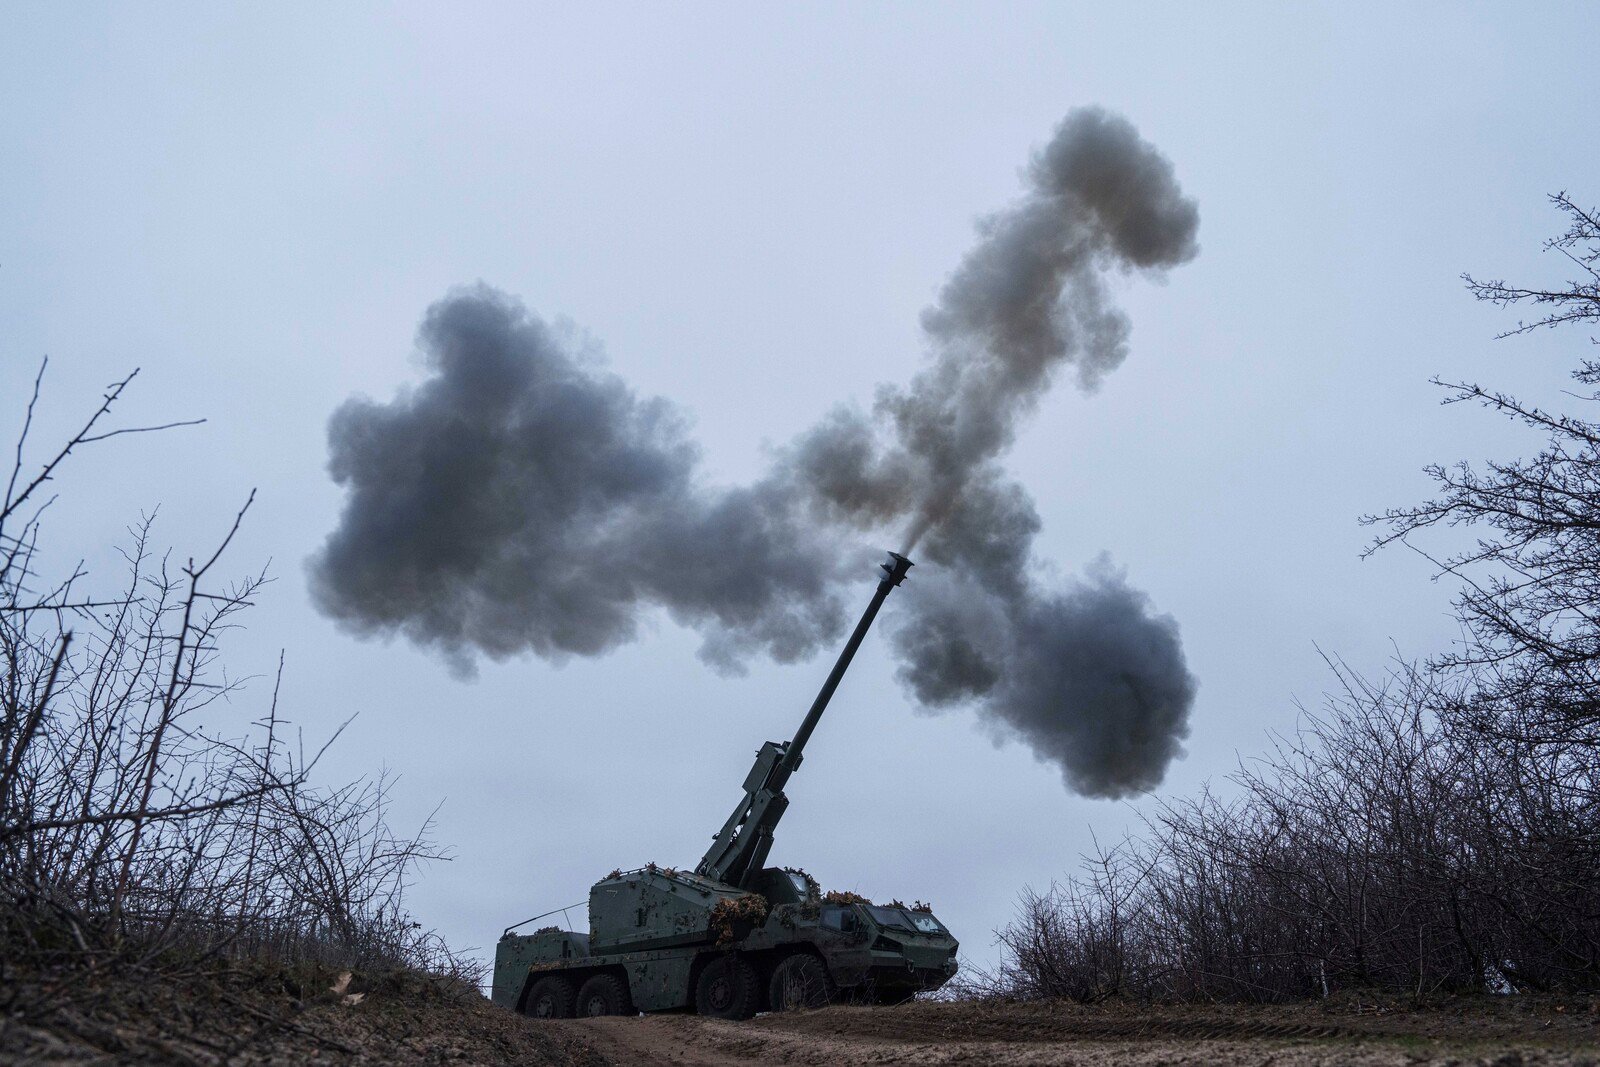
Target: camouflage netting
733	916
843	896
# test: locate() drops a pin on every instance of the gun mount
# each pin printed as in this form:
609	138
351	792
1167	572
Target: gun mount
740	848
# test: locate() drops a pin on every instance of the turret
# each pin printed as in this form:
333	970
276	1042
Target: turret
740	848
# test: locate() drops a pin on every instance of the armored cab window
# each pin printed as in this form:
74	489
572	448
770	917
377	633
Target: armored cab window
835	918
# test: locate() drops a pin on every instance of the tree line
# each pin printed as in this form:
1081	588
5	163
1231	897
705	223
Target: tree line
1433	829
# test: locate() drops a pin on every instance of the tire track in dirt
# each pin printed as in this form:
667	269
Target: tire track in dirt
887	1038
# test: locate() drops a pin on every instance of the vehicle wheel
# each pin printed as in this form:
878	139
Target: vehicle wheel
550	998
799	982
604	994
728	989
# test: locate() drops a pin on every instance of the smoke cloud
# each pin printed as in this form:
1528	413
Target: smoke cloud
1028	300
523	499
1085	674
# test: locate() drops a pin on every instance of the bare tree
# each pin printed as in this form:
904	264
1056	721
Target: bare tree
130	834
1530	585
1437	829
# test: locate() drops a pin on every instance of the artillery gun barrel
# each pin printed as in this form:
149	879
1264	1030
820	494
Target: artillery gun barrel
894	572
740	848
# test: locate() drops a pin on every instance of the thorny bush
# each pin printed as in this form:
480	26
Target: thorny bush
130	834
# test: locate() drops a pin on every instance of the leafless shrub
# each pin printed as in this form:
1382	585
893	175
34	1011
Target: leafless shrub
1378	848
1080	940
1436	830
142	821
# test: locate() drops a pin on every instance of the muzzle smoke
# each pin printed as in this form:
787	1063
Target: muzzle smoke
524	499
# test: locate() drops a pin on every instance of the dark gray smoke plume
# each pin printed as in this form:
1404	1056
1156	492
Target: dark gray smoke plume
1027	300
1085	674
522	499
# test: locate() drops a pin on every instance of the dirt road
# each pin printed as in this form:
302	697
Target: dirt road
117	1019
1478	1032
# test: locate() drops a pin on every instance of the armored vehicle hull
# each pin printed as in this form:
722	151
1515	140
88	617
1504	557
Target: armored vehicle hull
663	940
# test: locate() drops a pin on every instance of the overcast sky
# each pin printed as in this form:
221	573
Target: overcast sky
745	209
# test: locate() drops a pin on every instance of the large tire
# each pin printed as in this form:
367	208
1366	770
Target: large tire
604	994
728	989
799	983
550	998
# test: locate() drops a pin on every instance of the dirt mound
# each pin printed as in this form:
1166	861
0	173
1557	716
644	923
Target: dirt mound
264	1016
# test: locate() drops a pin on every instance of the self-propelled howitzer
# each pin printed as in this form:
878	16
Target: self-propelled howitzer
734	936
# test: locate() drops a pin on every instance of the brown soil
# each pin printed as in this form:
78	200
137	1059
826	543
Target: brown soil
270	1018
1493	1032
273	1018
